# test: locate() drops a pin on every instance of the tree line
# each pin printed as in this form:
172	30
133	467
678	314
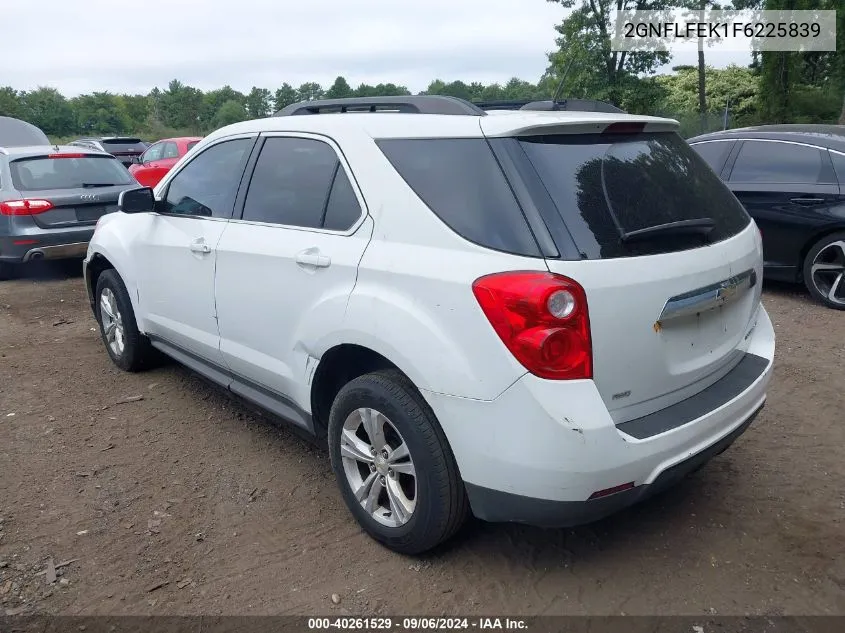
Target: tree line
777	87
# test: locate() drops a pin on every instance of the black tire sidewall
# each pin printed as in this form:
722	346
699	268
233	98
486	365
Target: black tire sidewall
415	426
808	265
111	280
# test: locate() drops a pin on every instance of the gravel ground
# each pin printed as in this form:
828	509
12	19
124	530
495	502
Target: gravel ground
154	493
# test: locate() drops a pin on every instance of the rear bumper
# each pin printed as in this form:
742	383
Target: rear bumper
498	506
40	243
539	451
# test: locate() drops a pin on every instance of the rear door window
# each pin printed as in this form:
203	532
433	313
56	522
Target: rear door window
290	183
44	172
776	162
608	187
714	153
462	183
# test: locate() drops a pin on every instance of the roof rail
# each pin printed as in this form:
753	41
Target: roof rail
413	104
562	105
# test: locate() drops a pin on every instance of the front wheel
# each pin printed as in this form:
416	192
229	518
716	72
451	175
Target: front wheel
393	464
128	348
824	271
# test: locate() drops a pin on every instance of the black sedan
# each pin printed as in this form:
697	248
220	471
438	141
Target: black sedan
791	180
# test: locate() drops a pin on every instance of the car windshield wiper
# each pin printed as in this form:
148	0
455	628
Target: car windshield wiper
99	184
700	226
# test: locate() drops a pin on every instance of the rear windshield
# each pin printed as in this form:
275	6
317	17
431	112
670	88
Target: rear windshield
41	172
606	187
191	145
124	145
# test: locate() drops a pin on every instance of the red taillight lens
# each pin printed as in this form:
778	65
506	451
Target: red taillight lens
542	319
25	207
67	155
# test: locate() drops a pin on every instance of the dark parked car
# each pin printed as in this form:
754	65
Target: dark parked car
126	149
791	180
51	198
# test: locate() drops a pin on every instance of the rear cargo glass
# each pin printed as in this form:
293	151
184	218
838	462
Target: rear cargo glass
461	182
608	186
126	145
42	173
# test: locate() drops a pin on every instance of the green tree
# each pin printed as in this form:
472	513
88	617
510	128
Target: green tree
213	100
10	102
230	112
181	106
258	103
137	109
100	113
284	96
584	47
48	109
310	91
340	89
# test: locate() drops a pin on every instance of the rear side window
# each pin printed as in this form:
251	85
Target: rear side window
42	173
192	144
774	162
714	153
170	150
607	187
461	182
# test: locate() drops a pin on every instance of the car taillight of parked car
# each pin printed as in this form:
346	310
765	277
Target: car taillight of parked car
543	320
25	207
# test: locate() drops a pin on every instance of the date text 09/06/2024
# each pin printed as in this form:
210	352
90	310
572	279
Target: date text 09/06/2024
416	624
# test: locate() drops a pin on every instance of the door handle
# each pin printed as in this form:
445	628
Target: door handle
312	257
199	246
807	201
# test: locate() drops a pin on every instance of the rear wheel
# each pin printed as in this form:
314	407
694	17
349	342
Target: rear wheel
394	466
824	271
128	348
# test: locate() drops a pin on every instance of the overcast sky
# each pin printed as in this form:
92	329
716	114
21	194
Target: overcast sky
131	46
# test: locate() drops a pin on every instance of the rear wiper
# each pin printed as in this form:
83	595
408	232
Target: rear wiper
700	226
99	184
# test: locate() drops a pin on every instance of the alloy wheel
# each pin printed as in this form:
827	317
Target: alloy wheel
379	467
112	321
828	272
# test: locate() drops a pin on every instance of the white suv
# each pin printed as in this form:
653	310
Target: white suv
538	317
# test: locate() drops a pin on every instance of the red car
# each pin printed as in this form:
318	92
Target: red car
160	157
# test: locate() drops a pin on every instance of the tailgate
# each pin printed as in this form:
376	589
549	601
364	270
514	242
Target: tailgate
671	262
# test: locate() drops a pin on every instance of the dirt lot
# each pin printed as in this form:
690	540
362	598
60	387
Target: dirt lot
183	502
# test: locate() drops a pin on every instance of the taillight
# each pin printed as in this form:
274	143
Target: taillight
542	319
25	207
68	155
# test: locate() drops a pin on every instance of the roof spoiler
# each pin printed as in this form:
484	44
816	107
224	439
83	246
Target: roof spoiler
561	105
412	104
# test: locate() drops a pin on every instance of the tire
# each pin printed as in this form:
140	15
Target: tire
829	252
440	504
135	353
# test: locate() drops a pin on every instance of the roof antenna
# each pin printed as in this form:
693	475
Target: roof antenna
555	102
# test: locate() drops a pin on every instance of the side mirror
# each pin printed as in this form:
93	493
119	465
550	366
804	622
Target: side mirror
138	200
